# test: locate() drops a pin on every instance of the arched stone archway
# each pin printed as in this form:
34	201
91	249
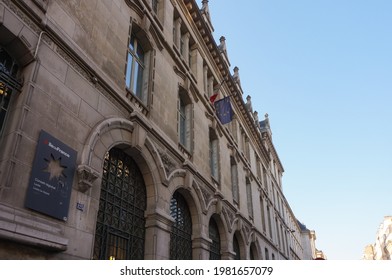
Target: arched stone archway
129	137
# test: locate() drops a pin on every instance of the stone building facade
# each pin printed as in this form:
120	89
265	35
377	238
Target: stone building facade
382	247
126	85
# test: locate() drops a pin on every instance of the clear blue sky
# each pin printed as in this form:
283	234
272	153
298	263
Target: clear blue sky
322	70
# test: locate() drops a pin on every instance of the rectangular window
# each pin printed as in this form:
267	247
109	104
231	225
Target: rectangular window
234	181
154	5
136	72
182	122
247	148
258	166
249	197
214	158
269	221
263	214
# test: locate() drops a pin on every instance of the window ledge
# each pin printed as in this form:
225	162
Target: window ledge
137	102
185	151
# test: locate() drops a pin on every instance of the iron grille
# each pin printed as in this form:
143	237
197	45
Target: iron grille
120	229
215	245
181	234
8	83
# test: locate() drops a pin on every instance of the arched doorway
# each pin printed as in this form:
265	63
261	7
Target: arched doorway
181	234
120	228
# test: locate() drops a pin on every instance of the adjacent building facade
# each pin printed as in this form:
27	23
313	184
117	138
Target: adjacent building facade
382	248
110	146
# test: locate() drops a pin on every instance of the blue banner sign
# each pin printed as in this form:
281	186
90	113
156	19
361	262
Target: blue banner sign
50	185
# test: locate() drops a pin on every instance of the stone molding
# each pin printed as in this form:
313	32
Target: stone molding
21	226
86	177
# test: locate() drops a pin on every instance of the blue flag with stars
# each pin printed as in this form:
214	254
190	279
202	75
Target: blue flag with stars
224	111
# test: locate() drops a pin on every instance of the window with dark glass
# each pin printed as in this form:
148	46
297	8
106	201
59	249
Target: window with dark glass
135	67
249	197
215	247
155	6
9	84
184	116
181	234
120	228
269	221
214	154
234	180
183	121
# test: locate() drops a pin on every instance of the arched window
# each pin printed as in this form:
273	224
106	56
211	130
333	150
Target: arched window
120	228
8	84
181	234
236	248
215	247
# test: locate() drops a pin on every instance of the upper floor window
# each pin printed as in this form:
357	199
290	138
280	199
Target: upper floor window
135	67
234	181
262	213
258	166
249	197
269	222
8	84
154	5
138	64
184	115
214	154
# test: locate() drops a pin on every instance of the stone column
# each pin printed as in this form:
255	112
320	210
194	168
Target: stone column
177	28
201	248
157	241
228	255
185	53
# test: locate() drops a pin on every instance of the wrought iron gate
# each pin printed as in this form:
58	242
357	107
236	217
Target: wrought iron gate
120	229
181	234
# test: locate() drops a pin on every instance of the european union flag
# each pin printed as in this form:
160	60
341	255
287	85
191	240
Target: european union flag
224	110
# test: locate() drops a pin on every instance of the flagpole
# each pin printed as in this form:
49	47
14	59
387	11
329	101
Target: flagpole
215	95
